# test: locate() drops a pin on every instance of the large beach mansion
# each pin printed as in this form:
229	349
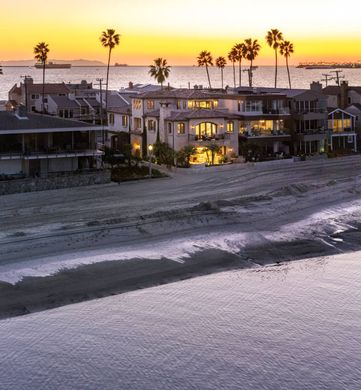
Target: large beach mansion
245	123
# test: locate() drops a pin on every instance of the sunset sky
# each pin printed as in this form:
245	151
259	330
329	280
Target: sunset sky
178	29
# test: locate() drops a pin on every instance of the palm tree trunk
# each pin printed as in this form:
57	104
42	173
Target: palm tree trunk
107	86
288	72
234	74
251	74
43	97
276	69
240	73
209	79
222	77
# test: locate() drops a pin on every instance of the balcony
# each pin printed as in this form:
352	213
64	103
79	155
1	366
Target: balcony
279	111
257	133
208	138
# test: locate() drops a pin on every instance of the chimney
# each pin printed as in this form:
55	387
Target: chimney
344	94
316	86
131	85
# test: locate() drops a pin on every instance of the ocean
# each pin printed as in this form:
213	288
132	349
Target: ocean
293	327
181	76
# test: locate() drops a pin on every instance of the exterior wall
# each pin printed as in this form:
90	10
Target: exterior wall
10	167
52	183
354	97
62	164
332	101
117	126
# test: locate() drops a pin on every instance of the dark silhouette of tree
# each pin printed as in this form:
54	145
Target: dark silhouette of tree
160	70
41	51
205	59
286	49
221	63
274	38
252	51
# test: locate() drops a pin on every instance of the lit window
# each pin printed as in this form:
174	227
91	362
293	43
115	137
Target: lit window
181	128
151	125
137	104
230	127
137	123
124	121
150	104
111	119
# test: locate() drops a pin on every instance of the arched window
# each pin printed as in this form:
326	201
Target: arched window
206	129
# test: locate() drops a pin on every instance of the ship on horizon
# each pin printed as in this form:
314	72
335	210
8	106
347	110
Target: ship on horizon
330	65
52	65
120	65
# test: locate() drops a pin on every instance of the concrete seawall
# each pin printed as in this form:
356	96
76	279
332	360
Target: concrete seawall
53	183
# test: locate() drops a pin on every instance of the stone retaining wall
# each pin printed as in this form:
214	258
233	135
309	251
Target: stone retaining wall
53	183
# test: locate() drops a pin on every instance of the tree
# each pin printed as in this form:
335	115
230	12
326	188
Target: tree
286	49
185	154
221	63
160	70
240	49
232	56
41	51
205	59
163	153
109	39
274	38
252	51
214	149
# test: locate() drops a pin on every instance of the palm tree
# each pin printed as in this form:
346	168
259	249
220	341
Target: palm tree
252	51
274	38
205	59
286	49
232	56
41	51
109	39
240	49
221	63
160	70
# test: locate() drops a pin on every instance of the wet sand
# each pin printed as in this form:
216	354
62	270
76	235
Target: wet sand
250	201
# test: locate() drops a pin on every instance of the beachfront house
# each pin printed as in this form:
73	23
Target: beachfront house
342	133
38	145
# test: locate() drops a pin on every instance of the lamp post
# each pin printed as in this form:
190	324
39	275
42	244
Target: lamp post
150	150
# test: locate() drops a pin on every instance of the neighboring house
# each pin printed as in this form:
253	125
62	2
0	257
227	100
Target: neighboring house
119	120
34	144
342	134
30	95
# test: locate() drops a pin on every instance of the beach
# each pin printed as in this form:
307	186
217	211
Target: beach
65	246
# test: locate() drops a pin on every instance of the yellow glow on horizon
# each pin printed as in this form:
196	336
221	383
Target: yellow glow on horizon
178	30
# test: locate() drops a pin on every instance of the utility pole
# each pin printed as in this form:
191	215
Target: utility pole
26	77
100	81
327	77
337	76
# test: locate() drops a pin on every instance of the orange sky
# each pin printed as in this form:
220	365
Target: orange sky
178	30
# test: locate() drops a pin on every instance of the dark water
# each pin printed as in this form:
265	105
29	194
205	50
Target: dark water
295	326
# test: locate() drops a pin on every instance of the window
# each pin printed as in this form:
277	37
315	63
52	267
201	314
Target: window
150	104
124	121
111	119
205	104
206	129
169	128
35	96
151	125
230	127
137	104
181	128
137	123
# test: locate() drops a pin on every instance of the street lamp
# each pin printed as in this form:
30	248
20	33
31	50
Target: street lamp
150	150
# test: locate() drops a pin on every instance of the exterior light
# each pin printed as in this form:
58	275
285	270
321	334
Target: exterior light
150	148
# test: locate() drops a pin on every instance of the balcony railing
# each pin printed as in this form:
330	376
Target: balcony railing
263	133
279	111
214	137
50	154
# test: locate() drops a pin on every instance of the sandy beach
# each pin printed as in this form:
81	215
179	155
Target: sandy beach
65	246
